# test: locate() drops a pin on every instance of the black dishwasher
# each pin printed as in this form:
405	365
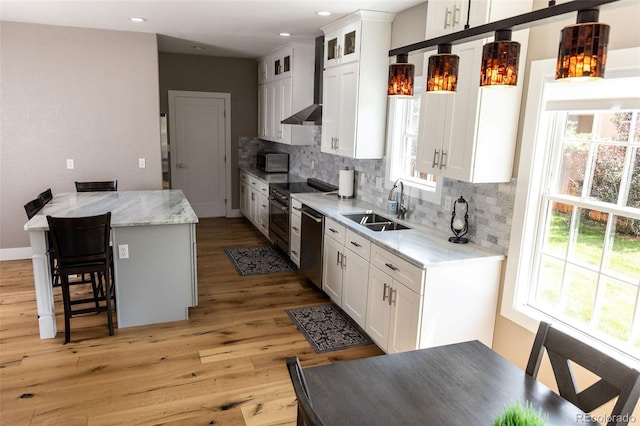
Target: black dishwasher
311	244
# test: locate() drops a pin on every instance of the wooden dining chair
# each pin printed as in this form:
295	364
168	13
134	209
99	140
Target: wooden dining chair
33	207
46	196
306	415
616	379
109	185
82	248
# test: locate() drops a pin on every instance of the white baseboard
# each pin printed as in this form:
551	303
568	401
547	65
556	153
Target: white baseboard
15	253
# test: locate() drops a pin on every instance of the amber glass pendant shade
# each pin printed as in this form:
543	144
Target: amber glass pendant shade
401	77
500	61
582	53
442	71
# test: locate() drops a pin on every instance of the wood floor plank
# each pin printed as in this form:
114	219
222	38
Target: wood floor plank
225	365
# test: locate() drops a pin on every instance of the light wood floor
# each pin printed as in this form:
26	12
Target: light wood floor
225	365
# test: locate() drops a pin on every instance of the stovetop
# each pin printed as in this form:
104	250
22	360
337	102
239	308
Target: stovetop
311	185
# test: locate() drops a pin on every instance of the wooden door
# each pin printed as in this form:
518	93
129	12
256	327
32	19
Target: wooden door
198	138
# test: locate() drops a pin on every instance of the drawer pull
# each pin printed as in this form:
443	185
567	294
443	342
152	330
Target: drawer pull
390	266
294	252
298	208
333	230
355	244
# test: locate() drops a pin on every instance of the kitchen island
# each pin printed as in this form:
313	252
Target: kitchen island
155	280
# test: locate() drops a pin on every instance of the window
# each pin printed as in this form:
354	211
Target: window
404	118
574	256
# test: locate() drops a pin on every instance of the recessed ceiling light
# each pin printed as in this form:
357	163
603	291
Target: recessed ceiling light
138	19
285	34
323	13
198	47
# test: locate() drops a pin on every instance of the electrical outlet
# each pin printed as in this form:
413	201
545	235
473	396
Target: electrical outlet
70	164
447	203
313	164
142	163
123	251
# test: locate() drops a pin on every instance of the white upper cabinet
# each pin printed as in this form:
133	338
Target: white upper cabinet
471	135
342	45
354	101
285	86
450	16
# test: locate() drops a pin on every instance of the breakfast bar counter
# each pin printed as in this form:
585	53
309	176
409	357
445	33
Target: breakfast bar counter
155	280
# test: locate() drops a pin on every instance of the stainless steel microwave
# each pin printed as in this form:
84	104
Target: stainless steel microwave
273	161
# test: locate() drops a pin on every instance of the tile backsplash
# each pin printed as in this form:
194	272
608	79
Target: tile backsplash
490	204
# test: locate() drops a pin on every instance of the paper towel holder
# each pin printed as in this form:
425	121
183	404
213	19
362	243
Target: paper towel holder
346	179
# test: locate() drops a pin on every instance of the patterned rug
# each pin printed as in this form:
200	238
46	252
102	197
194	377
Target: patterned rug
257	260
327	329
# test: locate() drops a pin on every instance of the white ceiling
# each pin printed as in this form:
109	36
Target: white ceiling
233	28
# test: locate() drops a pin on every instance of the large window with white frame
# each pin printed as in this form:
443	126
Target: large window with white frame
576	238
404	117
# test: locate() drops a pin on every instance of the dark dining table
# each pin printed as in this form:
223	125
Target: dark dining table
460	384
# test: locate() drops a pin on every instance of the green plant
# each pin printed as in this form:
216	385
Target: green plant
516	415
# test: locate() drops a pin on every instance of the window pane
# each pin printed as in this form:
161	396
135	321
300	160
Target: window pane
633	199
623	259
607	174
572	168
581	293
549	289
578	126
616	310
612	126
589	237
557	235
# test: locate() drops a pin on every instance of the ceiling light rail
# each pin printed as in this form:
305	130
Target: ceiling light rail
519	22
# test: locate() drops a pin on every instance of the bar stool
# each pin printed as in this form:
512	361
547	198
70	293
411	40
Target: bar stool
81	246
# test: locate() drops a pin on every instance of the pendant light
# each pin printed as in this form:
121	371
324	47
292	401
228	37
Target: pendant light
442	71
583	48
401	77
500	61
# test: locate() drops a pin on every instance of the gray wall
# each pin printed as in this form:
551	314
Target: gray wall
215	74
89	95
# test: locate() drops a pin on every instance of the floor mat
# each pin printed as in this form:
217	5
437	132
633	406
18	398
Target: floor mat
327	329
258	260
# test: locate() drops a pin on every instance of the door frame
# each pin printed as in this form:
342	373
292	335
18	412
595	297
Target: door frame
227	135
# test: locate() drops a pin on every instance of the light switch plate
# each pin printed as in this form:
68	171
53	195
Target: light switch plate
70	164
142	163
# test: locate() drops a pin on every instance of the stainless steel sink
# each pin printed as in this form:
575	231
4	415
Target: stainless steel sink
376	222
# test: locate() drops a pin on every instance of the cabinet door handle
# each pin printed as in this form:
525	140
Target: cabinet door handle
435	158
447	18
253	196
390	266
344	261
384	291
339	51
338	260
443	160
337	143
355	244
456	15
392	292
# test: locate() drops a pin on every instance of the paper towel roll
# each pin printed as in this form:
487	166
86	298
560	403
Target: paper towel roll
345	183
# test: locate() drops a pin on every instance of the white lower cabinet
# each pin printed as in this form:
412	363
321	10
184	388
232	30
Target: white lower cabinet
346	271
393	313
254	201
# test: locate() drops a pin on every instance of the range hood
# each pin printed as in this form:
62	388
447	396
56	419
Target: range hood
312	115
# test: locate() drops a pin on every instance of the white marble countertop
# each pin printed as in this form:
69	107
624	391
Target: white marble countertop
420	245
273	177
128	208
